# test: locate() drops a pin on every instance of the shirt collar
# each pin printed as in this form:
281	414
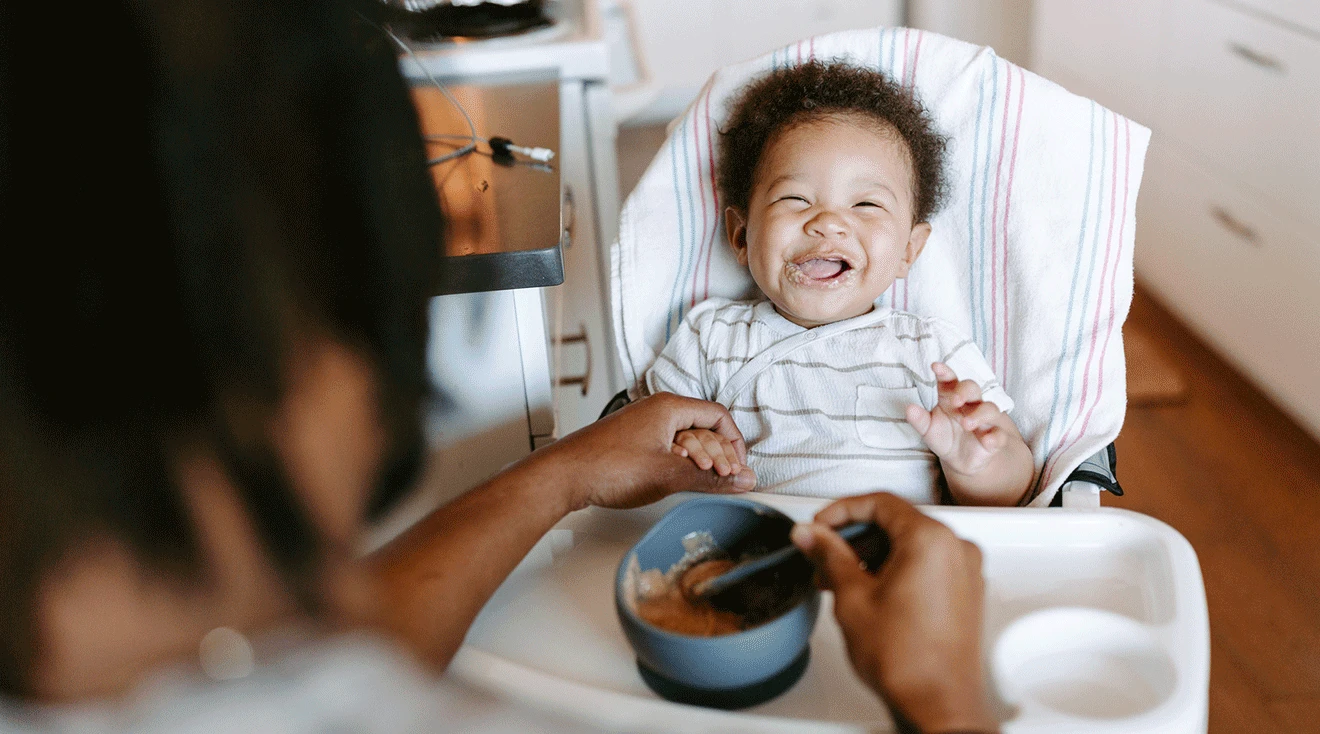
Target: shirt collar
765	312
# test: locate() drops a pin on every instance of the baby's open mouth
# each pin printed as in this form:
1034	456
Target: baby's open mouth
821	269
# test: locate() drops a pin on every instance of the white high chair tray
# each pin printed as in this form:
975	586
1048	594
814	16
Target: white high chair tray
1095	621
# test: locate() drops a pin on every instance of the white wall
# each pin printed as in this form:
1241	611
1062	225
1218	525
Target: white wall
686	40
1004	25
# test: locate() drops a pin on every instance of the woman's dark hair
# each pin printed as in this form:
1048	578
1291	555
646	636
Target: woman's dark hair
817	90
186	190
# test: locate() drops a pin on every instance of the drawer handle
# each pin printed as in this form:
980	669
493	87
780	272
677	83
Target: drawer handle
1240	229
584	379
568	216
1255	57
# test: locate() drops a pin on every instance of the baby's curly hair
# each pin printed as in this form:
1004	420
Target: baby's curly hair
817	90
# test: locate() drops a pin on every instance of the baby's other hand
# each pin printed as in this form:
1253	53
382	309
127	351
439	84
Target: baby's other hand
708	450
964	431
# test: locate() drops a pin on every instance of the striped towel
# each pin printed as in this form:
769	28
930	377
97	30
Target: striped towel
1031	255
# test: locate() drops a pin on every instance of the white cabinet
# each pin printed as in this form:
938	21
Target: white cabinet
516	369
1227	220
1109	50
1244	93
586	375
1305	14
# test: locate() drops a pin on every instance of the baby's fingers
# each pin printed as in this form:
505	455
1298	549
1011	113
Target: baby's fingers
952	393
696	451
919	418
979	417
720	451
992	439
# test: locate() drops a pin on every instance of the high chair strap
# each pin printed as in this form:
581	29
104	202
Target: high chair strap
786	346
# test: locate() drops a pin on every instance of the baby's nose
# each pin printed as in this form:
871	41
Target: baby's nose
827	224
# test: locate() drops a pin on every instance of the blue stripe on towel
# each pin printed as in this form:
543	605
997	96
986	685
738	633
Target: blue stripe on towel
1072	297
1086	292
893	49
690	250
978	307
670	324
972	280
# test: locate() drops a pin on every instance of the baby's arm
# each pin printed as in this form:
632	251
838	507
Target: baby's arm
681	369
985	459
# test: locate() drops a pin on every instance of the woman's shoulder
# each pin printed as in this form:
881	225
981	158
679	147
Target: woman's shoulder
373	686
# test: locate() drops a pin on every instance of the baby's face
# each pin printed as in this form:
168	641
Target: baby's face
829	222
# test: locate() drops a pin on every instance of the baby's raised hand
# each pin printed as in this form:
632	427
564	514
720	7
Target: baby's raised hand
708	450
962	430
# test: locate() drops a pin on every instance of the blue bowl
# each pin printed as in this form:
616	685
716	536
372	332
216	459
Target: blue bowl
725	671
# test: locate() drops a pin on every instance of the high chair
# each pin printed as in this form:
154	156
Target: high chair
1094	621
1031	255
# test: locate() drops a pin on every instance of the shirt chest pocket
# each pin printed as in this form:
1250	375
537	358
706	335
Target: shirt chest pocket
880	417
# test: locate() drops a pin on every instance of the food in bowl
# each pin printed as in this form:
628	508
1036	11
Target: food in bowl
665	598
768	650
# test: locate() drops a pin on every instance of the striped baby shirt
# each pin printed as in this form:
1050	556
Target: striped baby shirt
822	410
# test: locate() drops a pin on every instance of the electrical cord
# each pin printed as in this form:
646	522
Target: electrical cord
472	129
502	149
500	145
496	154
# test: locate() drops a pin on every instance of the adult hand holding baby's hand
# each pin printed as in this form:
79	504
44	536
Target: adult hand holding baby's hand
626	459
709	450
984	458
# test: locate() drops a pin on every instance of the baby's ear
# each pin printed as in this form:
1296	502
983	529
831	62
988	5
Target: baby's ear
915	244
735	224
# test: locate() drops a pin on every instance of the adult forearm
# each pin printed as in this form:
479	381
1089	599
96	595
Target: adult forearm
434	579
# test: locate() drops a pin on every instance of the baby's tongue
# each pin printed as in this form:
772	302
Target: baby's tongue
821	269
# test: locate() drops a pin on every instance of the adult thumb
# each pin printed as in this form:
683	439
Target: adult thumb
707	480
835	560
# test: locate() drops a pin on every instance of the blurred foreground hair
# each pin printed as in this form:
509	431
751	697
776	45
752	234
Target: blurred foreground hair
186	189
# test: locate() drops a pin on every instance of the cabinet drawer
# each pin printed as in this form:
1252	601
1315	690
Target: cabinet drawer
1244	93
1238	274
1304	13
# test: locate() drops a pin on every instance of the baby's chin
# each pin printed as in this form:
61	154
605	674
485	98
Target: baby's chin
810	313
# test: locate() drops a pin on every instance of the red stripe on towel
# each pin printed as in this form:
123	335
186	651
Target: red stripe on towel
715	197
1113	290
916	55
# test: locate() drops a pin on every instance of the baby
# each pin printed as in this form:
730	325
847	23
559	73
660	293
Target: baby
831	173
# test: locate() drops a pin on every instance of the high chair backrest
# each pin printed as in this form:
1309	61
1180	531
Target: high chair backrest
1031	255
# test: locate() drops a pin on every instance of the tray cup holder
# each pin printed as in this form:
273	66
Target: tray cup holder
1084	664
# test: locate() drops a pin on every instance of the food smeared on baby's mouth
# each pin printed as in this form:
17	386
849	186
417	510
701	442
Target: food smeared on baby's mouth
819	271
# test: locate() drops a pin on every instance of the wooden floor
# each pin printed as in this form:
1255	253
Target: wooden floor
1230	472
